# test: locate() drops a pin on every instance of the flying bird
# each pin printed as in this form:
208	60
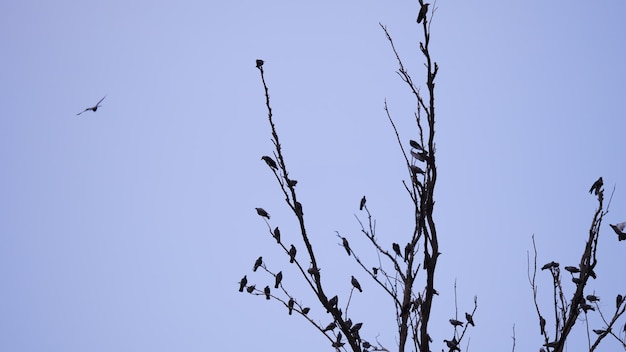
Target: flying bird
290	305
266	290
262	213
279	278
356	284
258	263
619	230
93	108
269	161
243	283
277	234
292	254
259	63
346	245
422	14
362	203
470	319
596	186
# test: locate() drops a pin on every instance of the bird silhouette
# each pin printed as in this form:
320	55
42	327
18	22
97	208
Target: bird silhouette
470	319
269	161
396	248
259	63
333	301
292	254
356	284
258	263
362	203
346	245
455	322
599	331
277	234
572	269
93	108
279	278
330	326
452	345
356	328
262	213
298	208
305	310
408	249
593	298
292	183
414	144
619	230
618	301
266	290
422	14
596	186
243	283
250	288
290	305
552	264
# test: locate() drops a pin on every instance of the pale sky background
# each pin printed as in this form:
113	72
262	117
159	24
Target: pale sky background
128	229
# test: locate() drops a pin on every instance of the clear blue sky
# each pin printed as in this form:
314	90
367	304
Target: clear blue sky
128	229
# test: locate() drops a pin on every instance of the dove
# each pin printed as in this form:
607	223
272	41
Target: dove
93	108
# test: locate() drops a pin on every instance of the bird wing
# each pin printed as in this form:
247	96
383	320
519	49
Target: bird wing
101	100
82	112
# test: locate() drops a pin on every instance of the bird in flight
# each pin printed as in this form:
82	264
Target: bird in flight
93	108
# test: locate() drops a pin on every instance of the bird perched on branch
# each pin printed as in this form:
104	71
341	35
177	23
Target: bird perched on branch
277	234
266	290
455	322
243	283
279	278
330	326
259	63
250	288
396	248
572	269
345	244
93	108
290	305
258	263
619	230
552	264
356	284
596	186
292	253
362	203
452	345
269	161
422	13
415	145
470	319
262	213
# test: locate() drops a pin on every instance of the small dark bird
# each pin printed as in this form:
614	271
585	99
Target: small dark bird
452	345
277	234
407	251
270	162
258	263
362	203
366	344
422	14
346	245
250	288
593	298
619	230
338	342
470	319
306	310
279	278
298	207
599	331
259	63
292	254
618	301
572	269
266	290
290	305
93	108
243	283
262	213
333	301
596	186
330	326
552	264
421	156
356	328
455	322
542	325
349	323
396	248
313	271
292	183
415	145
356	284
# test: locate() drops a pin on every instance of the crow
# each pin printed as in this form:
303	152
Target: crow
279	278
243	283
422	14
